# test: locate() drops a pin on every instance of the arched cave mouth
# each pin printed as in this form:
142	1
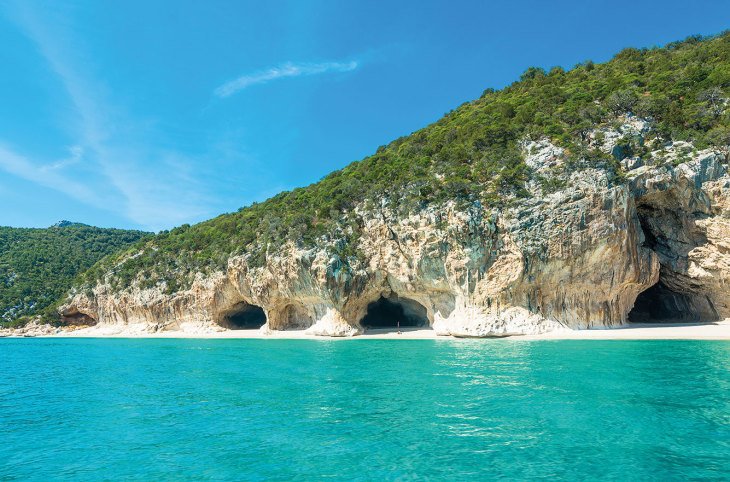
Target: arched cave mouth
659	304
244	316
393	312
77	318
670	233
295	317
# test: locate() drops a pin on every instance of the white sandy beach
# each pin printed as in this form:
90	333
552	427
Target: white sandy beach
644	331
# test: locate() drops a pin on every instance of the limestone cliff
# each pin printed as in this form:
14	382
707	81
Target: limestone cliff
577	257
578	198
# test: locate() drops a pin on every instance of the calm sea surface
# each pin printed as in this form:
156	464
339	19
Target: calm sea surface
102	409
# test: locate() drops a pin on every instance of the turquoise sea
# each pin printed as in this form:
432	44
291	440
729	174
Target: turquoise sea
151	409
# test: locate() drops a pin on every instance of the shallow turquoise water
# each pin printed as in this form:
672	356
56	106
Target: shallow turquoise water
96	409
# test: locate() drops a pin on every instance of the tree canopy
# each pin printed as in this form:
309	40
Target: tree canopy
37	266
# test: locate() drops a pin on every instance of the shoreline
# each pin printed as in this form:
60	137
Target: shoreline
636	331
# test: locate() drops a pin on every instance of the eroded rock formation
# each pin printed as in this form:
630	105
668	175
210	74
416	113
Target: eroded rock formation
578	257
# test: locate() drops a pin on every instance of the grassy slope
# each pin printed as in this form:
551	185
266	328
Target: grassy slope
471	154
38	265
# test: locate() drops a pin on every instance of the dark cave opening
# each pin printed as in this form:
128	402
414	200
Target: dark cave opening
674	298
659	304
77	318
244	316
393	312
662	304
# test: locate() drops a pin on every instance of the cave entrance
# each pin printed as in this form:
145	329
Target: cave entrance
77	318
662	304
671	235
659	304
295	317
388	312
244	316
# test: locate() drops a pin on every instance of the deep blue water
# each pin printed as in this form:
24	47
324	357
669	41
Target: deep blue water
102	409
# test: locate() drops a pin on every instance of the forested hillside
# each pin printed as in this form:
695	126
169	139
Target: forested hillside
472	155
38	265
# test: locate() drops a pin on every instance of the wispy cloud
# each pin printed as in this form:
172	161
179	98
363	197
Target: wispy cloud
19	165
75	154
134	177
288	69
119	162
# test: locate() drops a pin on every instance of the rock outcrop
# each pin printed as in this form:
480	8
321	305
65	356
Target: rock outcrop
578	257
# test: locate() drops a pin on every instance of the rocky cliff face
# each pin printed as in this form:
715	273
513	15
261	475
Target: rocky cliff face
598	251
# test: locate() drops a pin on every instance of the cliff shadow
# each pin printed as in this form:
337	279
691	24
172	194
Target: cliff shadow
243	316
395	312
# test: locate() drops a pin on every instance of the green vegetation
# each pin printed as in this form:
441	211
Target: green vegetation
470	156
38	265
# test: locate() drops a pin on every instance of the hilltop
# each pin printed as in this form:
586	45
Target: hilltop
37	266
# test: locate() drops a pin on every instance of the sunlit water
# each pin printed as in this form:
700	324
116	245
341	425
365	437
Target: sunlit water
149	409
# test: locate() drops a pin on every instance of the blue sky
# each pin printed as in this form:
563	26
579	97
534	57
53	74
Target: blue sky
150	114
